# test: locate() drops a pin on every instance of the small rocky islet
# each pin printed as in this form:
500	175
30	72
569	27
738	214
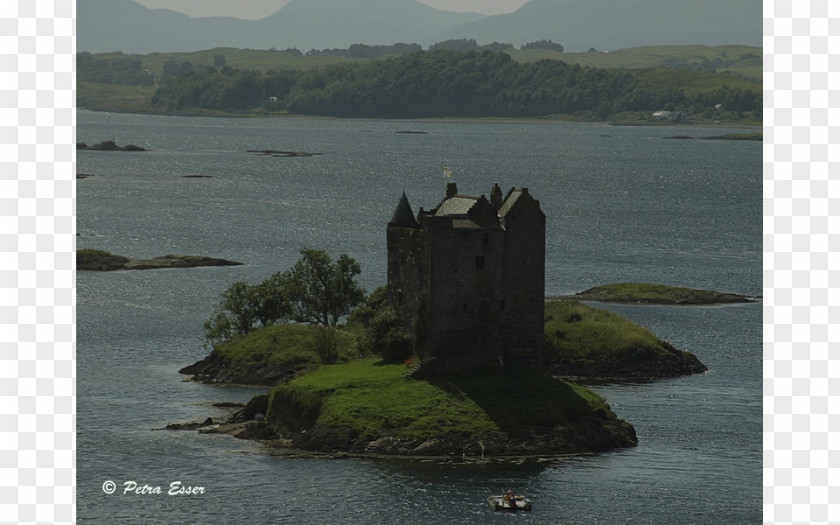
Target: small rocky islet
281	153
102	261
108	145
756	136
660	294
111	145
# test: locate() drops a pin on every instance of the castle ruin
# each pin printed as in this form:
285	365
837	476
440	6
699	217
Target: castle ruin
467	278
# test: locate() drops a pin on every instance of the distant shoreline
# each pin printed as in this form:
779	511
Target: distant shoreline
444	120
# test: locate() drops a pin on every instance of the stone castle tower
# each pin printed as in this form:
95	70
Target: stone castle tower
468	278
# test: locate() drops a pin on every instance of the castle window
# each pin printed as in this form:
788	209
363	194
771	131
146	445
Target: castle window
502	304
479	262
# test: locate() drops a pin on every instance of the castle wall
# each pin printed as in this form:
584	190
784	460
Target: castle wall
466	294
409	271
524	284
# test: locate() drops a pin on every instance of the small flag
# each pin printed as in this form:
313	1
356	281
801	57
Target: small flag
447	173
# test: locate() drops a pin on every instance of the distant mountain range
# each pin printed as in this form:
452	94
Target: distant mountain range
125	25
616	24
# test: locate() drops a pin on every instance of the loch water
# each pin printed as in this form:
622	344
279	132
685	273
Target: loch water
622	204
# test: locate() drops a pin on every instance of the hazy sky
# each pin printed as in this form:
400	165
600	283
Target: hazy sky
254	9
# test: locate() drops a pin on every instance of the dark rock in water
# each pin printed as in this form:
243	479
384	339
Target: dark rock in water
680	137
410	132
191	425
83	175
108	145
243	430
228	404
105	263
279	153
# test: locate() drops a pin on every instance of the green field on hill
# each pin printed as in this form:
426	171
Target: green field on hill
694	83
741	60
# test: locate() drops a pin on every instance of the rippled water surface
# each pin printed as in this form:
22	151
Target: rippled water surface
622	204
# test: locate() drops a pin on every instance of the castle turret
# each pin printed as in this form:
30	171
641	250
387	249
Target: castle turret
402	215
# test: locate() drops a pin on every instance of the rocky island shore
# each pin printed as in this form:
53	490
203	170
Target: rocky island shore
226	370
647	293
591	344
108	145
367	407
101	261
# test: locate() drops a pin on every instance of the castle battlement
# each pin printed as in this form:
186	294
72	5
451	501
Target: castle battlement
467	278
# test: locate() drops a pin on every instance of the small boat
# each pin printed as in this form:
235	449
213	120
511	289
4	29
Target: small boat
508	502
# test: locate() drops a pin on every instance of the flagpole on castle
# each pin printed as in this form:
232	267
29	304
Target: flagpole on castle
447	174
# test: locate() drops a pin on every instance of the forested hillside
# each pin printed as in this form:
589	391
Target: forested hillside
460	84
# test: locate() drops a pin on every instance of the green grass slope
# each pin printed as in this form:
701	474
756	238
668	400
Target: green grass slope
583	341
365	406
272	354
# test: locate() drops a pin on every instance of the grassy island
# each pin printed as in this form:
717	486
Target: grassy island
646	293
366	406
363	387
590	343
582	342
361	406
102	261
